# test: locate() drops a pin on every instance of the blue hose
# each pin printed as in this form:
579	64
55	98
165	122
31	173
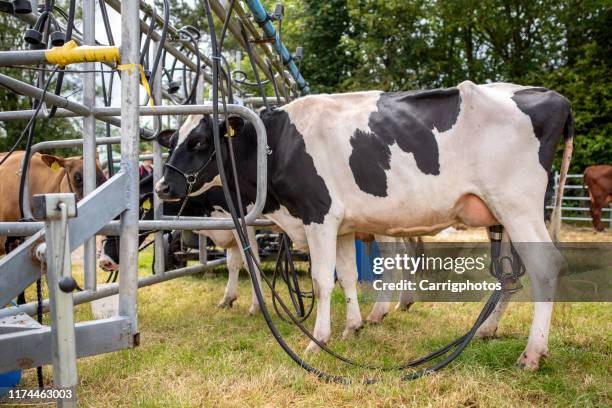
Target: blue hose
262	18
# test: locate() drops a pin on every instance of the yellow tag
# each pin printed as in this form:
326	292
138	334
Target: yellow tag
55	166
146	205
143	78
231	132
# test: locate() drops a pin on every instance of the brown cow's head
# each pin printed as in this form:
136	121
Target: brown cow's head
73	166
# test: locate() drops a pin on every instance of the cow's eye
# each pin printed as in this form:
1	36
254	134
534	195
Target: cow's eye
200	145
78	178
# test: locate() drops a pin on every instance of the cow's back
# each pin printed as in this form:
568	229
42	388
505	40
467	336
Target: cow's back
415	153
598	179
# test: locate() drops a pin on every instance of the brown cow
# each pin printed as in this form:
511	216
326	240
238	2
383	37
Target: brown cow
598	179
47	174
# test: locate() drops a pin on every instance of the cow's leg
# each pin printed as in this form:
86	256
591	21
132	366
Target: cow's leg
596	206
414	248
346	269
322	245
234	262
543	262
255	249
389	247
489	327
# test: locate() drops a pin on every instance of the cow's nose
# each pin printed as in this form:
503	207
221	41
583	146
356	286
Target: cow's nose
107	265
162	188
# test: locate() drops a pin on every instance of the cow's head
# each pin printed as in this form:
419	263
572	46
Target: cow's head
108	254
192	166
73	167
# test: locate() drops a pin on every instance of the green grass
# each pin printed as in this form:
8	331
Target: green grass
195	354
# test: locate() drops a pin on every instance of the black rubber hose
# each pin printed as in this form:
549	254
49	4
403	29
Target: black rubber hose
249	51
239	228
162	42
242	234
60	76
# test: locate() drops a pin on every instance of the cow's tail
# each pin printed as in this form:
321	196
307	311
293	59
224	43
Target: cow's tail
554	229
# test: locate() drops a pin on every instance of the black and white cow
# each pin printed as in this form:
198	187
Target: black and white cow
405	163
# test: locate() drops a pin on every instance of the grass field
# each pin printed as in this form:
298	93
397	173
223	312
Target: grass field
195	354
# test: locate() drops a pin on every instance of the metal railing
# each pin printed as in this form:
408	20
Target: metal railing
120	194
576	202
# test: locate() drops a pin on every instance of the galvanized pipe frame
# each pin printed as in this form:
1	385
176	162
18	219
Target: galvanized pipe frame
32	91
89	137
111	289
116	5
59	144
221	13
234	28
206	109
129	111
21	229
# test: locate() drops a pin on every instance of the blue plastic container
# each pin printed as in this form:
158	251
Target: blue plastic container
9	380
365	252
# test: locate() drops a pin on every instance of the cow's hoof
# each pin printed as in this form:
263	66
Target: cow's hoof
226	303
486	332
403	306
530	360
351	331
254	309
313	348
376	318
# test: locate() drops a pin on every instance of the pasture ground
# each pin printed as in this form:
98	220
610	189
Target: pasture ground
195	354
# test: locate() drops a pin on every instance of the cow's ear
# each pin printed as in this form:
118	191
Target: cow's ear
54	162
164	137
236	123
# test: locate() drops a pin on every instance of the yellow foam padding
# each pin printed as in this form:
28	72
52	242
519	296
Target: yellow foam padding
143	77
71	53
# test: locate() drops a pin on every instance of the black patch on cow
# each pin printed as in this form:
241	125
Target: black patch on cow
370	158
294	179
549	113
408	119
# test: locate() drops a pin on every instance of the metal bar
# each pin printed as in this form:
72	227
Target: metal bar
187	224
63	349
578	209
30	57
21	229
130	90
18	270
234	28
206	109
32	348
35	92
28	113
158	209
60	144
116	4
202	250
51	99
111	289
89	137
261	17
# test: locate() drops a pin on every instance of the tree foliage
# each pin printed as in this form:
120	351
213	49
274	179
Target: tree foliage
417	44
